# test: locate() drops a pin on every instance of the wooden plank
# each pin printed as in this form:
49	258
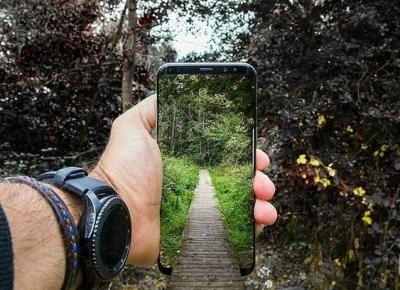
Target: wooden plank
205	261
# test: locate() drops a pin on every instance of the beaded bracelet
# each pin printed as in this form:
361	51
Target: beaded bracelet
66	224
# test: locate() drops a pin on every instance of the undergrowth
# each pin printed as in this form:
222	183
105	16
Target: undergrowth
180	180
233	186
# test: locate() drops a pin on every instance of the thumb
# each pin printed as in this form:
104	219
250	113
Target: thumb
143	115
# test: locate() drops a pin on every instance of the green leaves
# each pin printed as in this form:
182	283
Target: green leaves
207	119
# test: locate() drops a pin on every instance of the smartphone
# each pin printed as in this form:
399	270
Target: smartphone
206	131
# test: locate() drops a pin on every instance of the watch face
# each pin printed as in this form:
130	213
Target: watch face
111	238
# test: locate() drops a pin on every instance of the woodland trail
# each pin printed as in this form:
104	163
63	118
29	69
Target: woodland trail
206	261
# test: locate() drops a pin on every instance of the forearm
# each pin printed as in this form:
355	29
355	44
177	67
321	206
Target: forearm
39	254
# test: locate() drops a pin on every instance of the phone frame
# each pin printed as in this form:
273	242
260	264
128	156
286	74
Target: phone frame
215	68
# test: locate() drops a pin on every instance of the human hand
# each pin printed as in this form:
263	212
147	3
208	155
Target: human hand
131	164
264	212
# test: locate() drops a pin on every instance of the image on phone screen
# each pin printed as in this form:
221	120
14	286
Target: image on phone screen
205	131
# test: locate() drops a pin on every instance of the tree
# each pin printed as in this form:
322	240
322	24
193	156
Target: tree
328	95
61	72
129	56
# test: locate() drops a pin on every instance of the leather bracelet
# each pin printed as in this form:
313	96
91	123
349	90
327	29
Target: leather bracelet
66	223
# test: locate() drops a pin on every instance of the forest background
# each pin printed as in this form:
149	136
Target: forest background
329	114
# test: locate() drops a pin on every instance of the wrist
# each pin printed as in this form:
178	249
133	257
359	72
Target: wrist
100	174
74	204
144	247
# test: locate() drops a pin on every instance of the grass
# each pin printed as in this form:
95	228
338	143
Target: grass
180	180
233	189
233	185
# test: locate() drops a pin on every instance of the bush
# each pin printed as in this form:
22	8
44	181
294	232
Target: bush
180	180
329	113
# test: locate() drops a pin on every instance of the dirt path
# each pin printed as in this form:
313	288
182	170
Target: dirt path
205	261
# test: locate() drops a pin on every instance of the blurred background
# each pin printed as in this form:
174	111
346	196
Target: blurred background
329	113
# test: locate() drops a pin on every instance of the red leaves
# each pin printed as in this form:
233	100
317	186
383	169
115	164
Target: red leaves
146	21
62	2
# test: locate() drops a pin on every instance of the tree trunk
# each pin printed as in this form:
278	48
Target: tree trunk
129	61
173	131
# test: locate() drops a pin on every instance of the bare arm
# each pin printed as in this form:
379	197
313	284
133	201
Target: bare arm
39	255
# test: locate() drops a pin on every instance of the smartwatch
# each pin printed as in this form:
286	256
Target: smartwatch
105	227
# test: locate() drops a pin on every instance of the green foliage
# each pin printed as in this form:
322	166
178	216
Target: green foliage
180	180
230	134
233	185
200	119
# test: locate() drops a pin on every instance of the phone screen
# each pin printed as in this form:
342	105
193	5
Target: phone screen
205	131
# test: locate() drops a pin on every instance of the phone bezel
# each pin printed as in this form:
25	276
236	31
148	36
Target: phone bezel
215	68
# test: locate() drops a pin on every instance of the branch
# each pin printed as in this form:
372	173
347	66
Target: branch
76	156
119	27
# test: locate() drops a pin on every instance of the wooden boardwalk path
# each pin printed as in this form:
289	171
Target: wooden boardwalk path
206	261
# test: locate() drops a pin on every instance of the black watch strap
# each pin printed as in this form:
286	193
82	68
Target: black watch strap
76	180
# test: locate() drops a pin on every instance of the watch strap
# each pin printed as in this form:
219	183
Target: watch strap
77	181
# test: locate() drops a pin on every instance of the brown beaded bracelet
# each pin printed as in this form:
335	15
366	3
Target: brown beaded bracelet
67	227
